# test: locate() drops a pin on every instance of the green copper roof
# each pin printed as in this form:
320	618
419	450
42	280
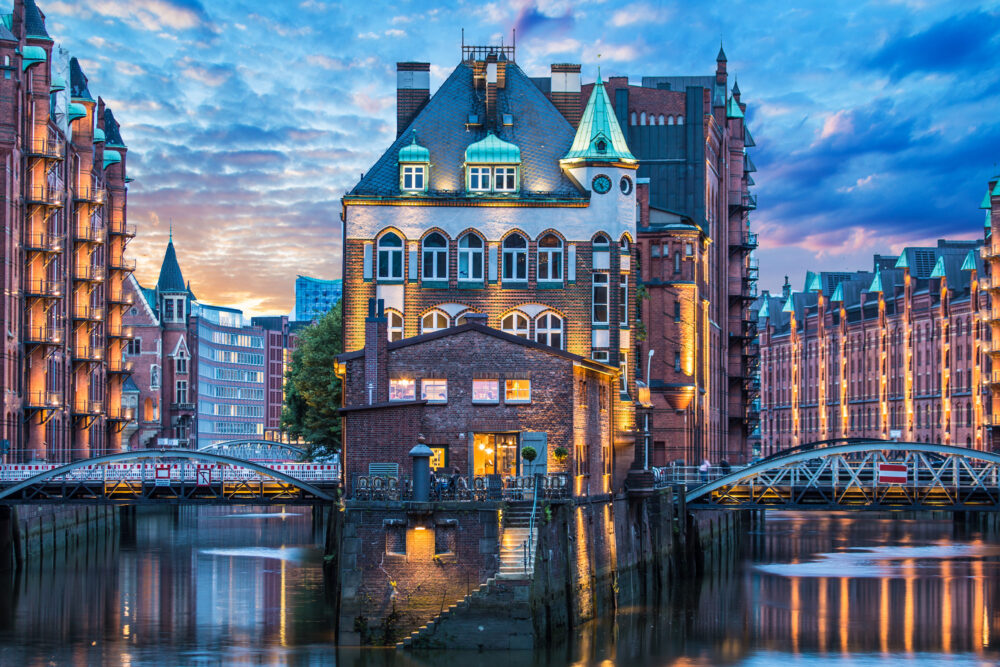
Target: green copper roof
98	135
111	157
733	109
765	310
902	262
996	190
32	55
813	283
988	224
970	262
876	286
788	307
986	199
76	111
57	83
598	136
414	152
838	294
938	271
491	150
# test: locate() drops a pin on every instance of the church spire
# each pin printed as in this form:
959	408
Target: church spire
171	278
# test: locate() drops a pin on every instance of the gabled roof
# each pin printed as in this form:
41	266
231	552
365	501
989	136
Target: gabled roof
112	131
986	200
876	286
902	262
813	283
765	310
788	307
939	270
171	279
838	294
996	189
34	25
970	262
78	82
129	386
733	109
542	132
599	128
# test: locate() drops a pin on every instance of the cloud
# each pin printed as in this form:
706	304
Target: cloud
640	13
537	18
954	43
154	15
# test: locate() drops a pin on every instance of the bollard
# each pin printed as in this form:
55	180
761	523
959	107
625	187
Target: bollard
421	455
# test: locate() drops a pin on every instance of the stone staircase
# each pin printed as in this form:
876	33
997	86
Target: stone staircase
502	601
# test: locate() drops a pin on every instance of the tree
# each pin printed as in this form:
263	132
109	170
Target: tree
312	389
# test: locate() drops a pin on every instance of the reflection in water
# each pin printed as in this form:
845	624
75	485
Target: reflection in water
214	586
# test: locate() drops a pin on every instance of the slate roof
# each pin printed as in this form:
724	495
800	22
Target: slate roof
129	385
5	34
171	279
34	25
539	130
78	82
149	294
112	131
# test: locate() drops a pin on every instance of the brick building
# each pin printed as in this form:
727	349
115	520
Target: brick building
204	374
491	202
63	213
898	352
478	395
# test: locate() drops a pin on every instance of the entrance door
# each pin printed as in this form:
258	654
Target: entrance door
494	454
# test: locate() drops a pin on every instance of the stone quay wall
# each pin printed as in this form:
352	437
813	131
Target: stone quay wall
30	532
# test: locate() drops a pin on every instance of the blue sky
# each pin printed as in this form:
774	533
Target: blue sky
877	123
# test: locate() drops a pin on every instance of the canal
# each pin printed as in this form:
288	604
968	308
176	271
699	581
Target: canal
210	586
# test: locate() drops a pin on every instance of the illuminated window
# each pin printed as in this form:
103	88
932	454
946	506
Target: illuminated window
435	266
505	179
434	391
517	391
390	257
623	371
402	389
479	179
516	324
515	258
439	456
485	391
413	178
623	300
433	321
599	298
550	258
395	325
470	258
549	330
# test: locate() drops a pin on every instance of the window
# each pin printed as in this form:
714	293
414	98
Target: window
134	346
549	258
433	321
677	261
623	300
600	240
623	372
549	330
168	310
180	364
395	325
599	298
677	311
516	324
181	392
517	391
642	118
439	456
390	257
413	177
689	249
600	355
654	250
677	362
660	120
470	258
462	319
435	257
434	391
485	391
402	389
505	179
515	258
479	179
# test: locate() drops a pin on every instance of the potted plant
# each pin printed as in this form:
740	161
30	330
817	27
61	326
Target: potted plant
529	454
560	454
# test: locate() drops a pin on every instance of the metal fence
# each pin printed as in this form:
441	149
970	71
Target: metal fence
458	488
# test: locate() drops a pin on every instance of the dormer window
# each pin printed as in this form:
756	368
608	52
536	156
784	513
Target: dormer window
492	165
479	179
414	177
414	164
602	146
506	178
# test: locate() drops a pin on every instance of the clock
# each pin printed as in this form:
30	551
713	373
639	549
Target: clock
601	184
626	185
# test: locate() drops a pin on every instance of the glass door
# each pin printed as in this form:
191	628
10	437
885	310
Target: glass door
494	454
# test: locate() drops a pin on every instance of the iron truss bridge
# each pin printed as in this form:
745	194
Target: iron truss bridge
170	476
256	450
863	475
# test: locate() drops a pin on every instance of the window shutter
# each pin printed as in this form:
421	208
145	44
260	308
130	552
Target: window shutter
571	264
367	264
413	262
493	263
538	440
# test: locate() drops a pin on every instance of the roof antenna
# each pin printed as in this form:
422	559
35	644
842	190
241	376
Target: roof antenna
171	230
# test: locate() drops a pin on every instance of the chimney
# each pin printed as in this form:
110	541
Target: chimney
786	289
477	318
565	91
376	353
413	89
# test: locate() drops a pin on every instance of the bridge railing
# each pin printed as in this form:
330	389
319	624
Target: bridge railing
690	476
173	472
460	488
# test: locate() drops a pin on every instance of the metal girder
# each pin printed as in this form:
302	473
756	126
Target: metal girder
251	449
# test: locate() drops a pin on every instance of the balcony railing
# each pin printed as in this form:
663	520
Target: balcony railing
51	149
90	194
43	335
45	195
989	252
88	312
43	288
122	229
744	288
745	240
43	243
119	331
183	407
995	420
121	264
88	407
43	400
121	297
89	234
740	199
120	366
992	378
88	353
88	273
121	414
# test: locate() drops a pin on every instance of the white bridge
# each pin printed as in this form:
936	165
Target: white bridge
862	474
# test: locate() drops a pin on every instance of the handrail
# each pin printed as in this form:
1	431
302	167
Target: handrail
531	523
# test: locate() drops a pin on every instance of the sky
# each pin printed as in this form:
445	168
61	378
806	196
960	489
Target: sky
877	123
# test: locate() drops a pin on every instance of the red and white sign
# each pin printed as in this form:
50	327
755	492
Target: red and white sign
204	476
892	473
162	477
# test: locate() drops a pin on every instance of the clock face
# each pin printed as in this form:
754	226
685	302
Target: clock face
626	185
601	184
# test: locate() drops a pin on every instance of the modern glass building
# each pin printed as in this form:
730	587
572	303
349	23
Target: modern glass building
315	297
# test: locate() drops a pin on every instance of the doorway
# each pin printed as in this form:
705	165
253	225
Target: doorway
495	454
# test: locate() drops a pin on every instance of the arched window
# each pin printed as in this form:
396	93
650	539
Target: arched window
435	257
470	258
623	244
549	329
147	410
677	261
680	120
633	118
642	118
601	239
515	258
660	119
461	319
390	257
395	325
670	120
550	258
433	321
515	323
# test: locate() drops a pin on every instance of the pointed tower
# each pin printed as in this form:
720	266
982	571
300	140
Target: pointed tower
171	290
